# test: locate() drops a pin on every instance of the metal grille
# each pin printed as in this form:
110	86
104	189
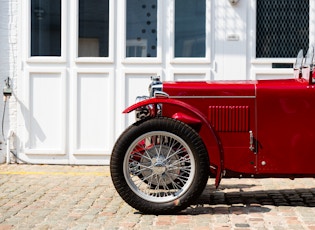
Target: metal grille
282	28
229	118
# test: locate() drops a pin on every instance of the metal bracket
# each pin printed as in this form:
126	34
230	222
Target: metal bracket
251	142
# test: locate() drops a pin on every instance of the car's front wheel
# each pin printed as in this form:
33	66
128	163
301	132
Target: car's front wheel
159	166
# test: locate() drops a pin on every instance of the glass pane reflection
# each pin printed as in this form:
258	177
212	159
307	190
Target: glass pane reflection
46	28
93	28
141	28
190	27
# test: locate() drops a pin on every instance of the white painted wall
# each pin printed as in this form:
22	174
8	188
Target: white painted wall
73	124
8	66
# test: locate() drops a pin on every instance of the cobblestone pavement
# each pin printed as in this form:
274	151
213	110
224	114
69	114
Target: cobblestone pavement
83	197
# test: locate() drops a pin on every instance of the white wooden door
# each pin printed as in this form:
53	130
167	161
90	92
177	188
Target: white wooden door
73	89
230	40
66	93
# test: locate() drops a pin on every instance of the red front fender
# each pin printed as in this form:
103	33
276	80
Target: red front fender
201	118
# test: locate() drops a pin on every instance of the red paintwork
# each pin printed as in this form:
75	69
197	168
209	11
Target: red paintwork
207	130
280	114
285	127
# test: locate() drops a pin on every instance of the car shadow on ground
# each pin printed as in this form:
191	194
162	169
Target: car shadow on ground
242	199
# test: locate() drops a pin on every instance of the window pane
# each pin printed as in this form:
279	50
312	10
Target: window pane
93	28
46	28
190	27
141	30
282	28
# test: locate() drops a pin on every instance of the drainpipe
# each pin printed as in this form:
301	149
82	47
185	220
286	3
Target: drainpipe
10	135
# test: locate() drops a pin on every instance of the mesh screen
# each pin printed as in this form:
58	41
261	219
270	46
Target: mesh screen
282	28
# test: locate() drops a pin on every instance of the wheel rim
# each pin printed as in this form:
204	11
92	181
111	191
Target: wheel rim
159	166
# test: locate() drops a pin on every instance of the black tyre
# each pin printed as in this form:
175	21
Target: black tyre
159	166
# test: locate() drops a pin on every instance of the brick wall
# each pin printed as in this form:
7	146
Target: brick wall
8	66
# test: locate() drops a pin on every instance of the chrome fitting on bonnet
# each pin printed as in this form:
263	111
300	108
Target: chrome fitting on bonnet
147	111
156	85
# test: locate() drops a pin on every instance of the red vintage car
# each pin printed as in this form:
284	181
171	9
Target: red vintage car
188	131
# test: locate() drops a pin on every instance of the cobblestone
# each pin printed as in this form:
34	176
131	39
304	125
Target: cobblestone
83	197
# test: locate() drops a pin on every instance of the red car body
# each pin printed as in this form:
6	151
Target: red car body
252	129
278	113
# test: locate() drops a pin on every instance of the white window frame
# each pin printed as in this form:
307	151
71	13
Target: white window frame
75	39
26	27
252	33
261	68
208	38
121	32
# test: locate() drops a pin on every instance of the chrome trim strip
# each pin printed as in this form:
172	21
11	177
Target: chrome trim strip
161	94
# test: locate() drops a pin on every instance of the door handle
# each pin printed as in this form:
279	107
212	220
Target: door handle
251	142
214	68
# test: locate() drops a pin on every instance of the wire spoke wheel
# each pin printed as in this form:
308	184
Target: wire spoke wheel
159	165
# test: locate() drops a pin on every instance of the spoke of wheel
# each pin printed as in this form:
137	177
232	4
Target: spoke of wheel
158	182
177	152
187	171
138	172
160	146
179	162
147	153
138	151
182	181
156	138
143	179
138	164
142	155
175	185
164	185
171	146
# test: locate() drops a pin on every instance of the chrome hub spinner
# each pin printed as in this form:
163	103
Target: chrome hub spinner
157	165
